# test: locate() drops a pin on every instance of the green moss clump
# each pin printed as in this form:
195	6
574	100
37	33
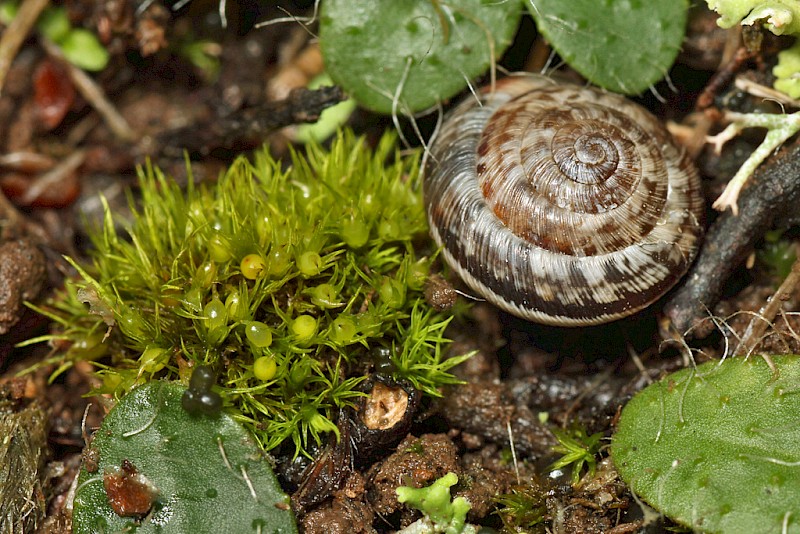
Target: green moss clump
313	268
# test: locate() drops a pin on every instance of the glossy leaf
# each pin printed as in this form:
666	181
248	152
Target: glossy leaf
208	474
409	56
622	45
717	448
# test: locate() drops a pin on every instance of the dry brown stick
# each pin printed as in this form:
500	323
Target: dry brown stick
758	325
53	177
94	95
15	34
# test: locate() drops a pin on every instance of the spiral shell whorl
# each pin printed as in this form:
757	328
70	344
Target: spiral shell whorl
561	204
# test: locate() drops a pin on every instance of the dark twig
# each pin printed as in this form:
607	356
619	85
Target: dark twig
722	78
771	197
249	127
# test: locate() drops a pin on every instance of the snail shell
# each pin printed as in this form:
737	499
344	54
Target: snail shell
562	204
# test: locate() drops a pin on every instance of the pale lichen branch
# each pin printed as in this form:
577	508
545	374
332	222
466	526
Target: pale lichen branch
781	127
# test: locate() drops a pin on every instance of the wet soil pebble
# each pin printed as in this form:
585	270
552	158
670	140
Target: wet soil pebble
22	273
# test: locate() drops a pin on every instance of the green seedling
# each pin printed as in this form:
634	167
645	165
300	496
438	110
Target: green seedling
524	509
441	514
578	450
777	254
80	46
193	473
717	447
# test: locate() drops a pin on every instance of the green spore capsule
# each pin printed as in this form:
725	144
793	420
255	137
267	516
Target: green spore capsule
234	306
278	262
325	296
219	249
264	368
253	266
205	275
259	334
343	330
309	263
304	327
355	233
216	314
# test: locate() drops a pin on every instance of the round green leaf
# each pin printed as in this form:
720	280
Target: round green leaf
717	448
209	474
622	45
83	49
54	24
417	53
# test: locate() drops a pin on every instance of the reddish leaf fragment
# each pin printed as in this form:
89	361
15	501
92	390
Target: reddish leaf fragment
53	93
129	492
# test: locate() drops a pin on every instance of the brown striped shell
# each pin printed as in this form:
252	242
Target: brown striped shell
562	204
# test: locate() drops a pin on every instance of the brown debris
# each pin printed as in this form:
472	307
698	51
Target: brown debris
385	407
347	513
22	452
14	35
440	293
367	431
488	410
129	492
22	275
247	128
417	463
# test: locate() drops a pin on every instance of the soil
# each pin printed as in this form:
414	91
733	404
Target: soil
57	153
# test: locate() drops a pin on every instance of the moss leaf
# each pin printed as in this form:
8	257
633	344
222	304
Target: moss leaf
622	45
717	448
423	52
208	473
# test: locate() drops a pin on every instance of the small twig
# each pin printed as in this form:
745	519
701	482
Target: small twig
94	94
247	128
765	92
52	177
758	325
722	78
772	198
15	34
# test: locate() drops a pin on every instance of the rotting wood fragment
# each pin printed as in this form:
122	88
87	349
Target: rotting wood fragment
23	440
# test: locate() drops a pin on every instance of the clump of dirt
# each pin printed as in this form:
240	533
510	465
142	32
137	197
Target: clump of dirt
22	275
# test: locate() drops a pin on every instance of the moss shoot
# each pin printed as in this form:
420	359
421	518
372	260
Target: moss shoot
284	282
